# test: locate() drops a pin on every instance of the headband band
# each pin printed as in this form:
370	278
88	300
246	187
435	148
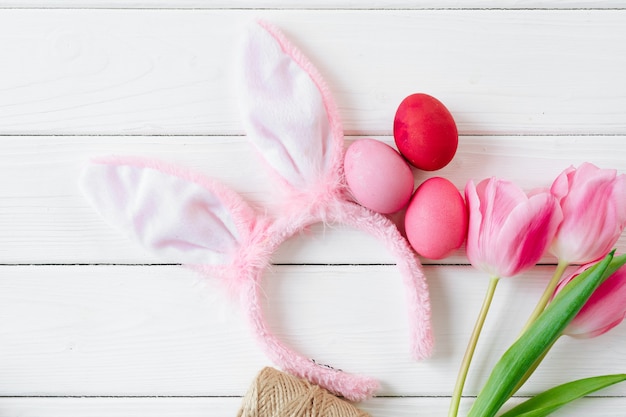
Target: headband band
185	218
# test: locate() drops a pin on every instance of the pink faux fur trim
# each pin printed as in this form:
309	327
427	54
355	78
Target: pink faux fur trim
352	387
259	236
417	294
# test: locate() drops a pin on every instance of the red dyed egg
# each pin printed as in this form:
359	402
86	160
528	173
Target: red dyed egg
425	132
436	219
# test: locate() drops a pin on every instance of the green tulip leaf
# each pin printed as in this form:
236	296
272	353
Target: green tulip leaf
555	398
539	337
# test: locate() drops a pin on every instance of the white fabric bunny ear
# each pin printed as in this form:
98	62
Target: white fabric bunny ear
179	216
287	110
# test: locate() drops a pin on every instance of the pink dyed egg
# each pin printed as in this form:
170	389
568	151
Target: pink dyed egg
378	176
436	219
425	132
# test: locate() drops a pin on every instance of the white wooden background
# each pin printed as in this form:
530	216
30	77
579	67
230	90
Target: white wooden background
91	325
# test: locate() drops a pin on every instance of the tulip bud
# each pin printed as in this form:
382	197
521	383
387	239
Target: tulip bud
508	231
605	308
593	202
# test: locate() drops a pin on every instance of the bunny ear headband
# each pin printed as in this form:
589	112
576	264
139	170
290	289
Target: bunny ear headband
293	122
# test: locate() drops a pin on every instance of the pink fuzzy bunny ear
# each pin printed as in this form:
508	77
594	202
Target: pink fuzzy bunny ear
181	217
289	114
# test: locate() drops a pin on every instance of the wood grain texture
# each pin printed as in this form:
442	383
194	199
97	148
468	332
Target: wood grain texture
169	72
92	325
227	407
163	331
45	218
316	4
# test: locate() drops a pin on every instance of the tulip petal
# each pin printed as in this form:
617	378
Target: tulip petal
497	199
500	198
560	186
508	231
474	224
594	214
527	233
604	310
619	195
588	171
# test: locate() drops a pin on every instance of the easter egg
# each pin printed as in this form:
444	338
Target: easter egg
436	219
425	132
377	176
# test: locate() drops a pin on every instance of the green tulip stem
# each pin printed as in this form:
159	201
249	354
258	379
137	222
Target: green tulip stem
471	347
547	294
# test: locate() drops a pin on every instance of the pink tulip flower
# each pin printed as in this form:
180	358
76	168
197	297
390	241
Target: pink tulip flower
508	230
593	202
605	308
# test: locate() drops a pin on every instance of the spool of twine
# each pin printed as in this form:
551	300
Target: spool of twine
277	394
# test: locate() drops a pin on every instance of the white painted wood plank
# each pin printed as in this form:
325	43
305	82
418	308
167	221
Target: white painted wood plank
315	4
162	331
45	219
155	72
113	407
437	407
228	407
159	330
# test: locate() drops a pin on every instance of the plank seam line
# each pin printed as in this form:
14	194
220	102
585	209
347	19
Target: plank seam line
117	396
239	396
347	135
273	264
390	264
365	9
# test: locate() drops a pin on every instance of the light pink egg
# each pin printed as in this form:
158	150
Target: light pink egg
378	177
436	219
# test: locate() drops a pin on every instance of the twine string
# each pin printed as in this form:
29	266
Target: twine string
277	394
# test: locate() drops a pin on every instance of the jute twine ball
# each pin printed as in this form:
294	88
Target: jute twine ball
277	394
